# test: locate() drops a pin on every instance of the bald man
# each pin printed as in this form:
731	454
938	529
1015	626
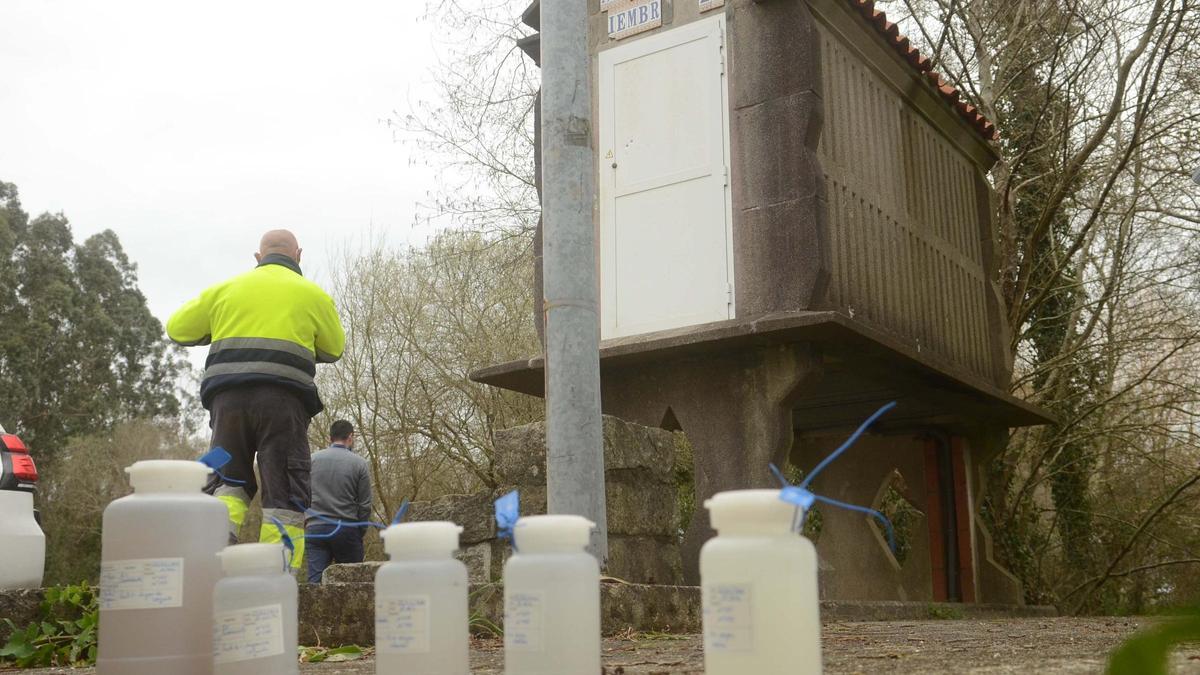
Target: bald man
268	328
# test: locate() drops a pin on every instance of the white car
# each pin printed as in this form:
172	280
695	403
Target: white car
22	544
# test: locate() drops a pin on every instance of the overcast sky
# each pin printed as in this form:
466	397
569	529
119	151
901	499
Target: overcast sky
190	128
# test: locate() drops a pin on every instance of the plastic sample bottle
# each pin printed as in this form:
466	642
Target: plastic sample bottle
158	566
551	599
254	622
421	621
758	581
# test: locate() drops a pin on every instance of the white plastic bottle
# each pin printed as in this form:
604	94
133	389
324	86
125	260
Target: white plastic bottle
255	613
758	582
157	572
421	618
552	599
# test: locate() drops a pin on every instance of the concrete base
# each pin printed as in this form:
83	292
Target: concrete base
340	611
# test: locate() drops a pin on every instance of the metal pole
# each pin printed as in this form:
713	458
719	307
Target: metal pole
575	452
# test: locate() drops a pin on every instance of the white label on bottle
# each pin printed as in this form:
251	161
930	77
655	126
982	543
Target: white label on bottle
728	621
523	621
250	633
402	624
142	583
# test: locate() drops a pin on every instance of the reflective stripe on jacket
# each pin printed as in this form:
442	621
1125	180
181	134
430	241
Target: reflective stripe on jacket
269	325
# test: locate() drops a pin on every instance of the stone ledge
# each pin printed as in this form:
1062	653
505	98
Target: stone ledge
344	613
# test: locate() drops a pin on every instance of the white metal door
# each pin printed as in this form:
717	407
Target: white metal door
665	218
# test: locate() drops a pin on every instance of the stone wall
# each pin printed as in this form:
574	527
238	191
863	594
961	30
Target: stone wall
643	513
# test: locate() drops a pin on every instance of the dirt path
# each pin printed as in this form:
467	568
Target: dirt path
1058	646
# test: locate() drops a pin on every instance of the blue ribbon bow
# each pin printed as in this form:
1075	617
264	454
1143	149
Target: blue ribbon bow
217	458
508	510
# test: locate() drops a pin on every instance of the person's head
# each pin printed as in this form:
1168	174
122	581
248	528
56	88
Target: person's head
342	432
280	242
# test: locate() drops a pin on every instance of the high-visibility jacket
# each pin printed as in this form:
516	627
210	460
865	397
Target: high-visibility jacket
269	325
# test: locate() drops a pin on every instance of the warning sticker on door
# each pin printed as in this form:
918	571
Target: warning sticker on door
728	621
250	633
402	624
141	583
523	622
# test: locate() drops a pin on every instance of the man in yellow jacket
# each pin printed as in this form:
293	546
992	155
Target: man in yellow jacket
268	328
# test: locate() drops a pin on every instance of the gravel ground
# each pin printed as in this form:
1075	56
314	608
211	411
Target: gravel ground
1057	646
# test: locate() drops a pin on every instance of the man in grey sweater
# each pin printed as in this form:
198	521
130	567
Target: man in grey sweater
341	491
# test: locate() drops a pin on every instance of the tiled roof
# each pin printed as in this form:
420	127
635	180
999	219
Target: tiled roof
891	33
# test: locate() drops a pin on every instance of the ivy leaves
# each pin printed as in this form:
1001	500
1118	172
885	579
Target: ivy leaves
65	634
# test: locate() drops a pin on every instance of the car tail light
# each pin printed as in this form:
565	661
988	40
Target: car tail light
12	443
23	467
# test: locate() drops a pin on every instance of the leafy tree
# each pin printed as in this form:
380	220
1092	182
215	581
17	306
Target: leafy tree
79	348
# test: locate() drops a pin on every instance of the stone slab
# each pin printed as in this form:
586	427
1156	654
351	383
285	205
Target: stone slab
520	452
475	513
344	613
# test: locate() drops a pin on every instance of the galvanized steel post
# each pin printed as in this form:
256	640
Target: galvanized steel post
575	452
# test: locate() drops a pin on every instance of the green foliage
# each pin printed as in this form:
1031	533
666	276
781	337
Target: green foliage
478	623
685	481
332	654
943	613
63	635
903	516
1147	653
80	349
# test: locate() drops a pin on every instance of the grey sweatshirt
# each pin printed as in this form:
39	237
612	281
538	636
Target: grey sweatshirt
341	485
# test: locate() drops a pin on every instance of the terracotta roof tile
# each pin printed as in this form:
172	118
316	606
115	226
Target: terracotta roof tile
891	33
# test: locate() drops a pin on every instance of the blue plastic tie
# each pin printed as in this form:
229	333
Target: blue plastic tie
287	542
332	521
217	458
400	513
508	510
804	498
887	524
862	428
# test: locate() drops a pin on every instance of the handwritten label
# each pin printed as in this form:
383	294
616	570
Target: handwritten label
402	624
245	634
706	5
728	622
141	583
633	20
523	621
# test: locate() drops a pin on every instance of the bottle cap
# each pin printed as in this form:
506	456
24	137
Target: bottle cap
252	559
437	536
750	507
168	475
552	532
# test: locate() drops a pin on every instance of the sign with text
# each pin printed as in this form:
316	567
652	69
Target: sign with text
634	19
706	5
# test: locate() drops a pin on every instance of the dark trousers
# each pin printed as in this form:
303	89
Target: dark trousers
269	422
346	546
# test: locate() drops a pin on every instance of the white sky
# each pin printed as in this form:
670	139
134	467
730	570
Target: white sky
190	128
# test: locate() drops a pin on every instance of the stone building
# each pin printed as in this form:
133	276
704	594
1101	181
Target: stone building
793	228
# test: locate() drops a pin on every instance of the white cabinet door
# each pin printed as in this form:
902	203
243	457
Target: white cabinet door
665	218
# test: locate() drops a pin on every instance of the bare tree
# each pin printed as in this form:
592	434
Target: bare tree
1096	221
418	321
